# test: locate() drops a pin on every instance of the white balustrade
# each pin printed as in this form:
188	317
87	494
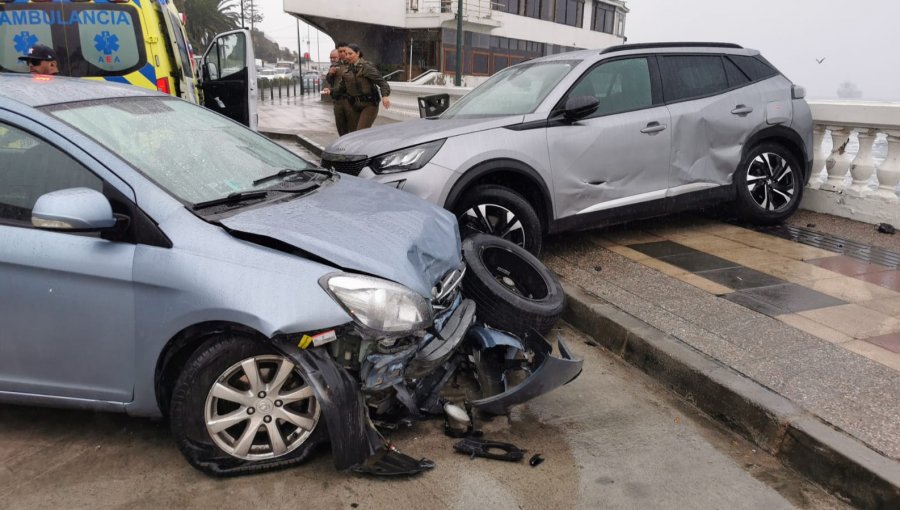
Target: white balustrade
860	200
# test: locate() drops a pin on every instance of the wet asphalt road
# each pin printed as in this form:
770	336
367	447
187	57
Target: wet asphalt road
612	438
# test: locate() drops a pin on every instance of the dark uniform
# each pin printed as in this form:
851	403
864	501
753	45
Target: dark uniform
358	85
344	116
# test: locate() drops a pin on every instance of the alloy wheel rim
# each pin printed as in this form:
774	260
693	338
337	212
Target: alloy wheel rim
260	408
770	182
495	220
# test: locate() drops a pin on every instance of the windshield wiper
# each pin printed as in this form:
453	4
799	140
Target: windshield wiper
281	173
233	198
291	171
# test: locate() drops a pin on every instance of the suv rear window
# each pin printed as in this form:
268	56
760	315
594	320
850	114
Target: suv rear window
690	76
89	39
753	67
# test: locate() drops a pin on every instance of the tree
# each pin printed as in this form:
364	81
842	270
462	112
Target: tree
206	18
252	13
848	90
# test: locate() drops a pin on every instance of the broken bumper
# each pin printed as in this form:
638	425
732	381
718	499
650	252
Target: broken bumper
546	371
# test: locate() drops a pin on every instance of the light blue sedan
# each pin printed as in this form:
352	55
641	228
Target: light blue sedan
157	258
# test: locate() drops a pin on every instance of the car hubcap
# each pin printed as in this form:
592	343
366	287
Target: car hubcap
770	182
260	408
495	220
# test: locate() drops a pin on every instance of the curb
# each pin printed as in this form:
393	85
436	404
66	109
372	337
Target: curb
828	457
307	143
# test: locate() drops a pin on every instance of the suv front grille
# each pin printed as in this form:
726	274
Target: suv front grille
345	163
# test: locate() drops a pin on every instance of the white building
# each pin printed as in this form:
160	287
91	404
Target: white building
417	35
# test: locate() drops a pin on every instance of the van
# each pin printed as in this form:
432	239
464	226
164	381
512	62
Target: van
140	42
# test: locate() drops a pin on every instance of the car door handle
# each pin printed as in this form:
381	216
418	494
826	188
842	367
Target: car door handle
653	127
742	110
219	102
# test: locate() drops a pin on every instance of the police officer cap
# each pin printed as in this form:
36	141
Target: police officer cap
39	52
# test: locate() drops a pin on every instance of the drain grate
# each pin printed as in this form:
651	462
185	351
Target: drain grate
846	247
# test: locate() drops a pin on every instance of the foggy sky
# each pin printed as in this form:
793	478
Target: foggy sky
859	40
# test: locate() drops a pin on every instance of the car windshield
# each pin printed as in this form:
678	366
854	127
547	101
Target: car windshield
193	153
513	91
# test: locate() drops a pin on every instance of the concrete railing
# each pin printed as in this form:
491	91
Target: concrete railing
405	98
471	8
855	173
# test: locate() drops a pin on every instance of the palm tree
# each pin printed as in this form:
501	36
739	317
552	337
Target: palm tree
206	18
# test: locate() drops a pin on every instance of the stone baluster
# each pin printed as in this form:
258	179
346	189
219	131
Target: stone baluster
862	167
838	162
889	171
818	157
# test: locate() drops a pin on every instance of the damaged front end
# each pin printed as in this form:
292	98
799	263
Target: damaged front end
379	371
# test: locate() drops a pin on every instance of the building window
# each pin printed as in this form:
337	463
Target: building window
533	8
480	63
570	12
604	18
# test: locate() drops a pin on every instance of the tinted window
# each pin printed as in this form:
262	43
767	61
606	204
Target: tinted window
89	39
753	67
619	86
736	77
31	167
690	76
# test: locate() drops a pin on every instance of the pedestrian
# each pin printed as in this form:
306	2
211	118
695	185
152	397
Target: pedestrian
343	113
41	59
362	85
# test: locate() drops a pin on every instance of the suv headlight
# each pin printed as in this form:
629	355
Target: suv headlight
410	158
379	305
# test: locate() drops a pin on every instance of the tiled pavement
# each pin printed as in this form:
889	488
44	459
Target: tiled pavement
817	327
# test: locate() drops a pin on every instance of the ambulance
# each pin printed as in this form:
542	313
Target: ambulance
140	42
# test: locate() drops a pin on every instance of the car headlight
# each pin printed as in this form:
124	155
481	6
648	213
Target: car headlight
379	305
410	158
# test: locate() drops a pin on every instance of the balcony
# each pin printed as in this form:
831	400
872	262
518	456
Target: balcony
437	12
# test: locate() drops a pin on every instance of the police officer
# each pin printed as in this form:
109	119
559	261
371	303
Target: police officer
41	60
360	84
343	114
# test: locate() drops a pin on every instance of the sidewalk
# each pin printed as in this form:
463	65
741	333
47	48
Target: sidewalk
793	346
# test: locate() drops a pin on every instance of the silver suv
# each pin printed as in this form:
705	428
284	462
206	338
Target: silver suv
592	138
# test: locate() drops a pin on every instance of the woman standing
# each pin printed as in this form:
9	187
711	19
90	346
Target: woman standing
360	84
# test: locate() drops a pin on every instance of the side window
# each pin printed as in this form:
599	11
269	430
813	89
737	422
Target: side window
754	68
232	54
619	86
30	167
690	76
736	77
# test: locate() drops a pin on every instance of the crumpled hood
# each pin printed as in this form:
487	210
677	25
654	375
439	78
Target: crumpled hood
379	140
366	227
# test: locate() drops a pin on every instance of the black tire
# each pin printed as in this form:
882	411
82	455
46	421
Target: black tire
513	291
487	210
769	184
192	396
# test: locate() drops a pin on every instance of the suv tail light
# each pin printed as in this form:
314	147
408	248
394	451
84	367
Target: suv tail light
798	92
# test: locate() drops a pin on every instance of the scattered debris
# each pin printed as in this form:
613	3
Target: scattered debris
810	225
598	268
536	460
886	228
488	449
389	461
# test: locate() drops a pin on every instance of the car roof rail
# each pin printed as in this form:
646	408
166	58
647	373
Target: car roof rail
644	46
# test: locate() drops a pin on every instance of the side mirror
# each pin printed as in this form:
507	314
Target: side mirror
579	107
73	209
211	71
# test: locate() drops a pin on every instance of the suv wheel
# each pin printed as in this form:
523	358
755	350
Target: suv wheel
769	184
500	212
239	407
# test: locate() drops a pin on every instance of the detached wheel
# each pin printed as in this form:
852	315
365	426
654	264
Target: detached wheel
500	212
769	184
239	407
513	291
